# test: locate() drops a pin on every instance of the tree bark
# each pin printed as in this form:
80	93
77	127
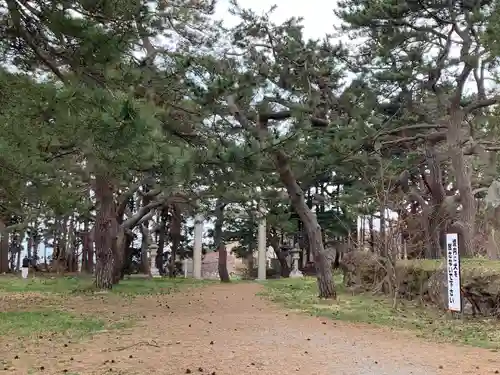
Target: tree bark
222	265
372	233
19	241
492	226
462	170
219	241
175	235
322	263
274	241
145	242
105	232
4	249
436	218
161	241
87	249
29	245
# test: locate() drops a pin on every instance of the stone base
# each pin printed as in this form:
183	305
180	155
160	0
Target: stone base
155	272
296	274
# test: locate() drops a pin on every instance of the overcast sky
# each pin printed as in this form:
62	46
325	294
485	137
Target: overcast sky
318	15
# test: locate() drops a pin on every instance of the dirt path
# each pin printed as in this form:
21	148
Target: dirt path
227	330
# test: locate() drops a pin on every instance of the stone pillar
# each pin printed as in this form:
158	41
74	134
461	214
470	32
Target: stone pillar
153	250
261	245
198	238
295	272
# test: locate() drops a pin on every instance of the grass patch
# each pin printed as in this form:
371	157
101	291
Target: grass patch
84	284
27	323
466	264
301	295
157	286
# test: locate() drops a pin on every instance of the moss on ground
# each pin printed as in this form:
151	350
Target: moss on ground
29	323
36	306
84	284
466	264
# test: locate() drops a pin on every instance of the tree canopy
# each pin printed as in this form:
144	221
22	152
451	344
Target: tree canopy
121	119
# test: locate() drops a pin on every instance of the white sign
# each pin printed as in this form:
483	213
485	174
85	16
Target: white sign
453	268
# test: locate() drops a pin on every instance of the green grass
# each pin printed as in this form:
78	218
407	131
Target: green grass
27	323
81	284
302	294
466	263
50	319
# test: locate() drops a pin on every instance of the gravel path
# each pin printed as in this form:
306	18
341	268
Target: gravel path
228	330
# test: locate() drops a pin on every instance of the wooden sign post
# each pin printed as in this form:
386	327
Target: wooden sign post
453	271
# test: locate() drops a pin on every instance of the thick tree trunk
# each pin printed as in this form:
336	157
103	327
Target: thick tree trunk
118	246
71	251
126	268
36	257
161	241
12	260
322	263
436	217
87	249
284	268
274	241
222	265
493	228
175	235
91	252
4	249
105	231
384	247
145	242
431	235
462	172
19	241
372	233
29	246
324	271
219	241
145	263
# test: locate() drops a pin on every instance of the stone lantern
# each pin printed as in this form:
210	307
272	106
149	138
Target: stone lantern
153	250
295	272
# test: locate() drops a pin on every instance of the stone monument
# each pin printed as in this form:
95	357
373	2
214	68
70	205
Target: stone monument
153	249
295	272
197	250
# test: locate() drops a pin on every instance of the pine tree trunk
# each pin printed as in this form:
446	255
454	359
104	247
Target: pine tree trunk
105	232
85	247
4	249
90	251
118	246
175	235
274	241
104	270
284	268
462	171
29	246
145	242
322	263
222	266
372	233
161	241
219	241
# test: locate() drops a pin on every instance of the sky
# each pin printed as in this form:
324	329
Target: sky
318	15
